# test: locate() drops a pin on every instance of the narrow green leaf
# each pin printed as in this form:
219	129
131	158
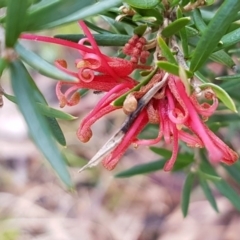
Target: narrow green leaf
201	77
68	11
229	78
143	4
186	193
172	68
198	21
210	38
221	94
42	66
96	28
208	176
37	125
56	131
166	52
45	109
183	159
183	34
230	39
223	58
208	193
3	65
175	26
140	30
233	172
142	169
222	186
120	100
101	39
15	20
191	32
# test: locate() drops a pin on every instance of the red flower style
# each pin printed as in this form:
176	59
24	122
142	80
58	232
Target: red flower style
177	115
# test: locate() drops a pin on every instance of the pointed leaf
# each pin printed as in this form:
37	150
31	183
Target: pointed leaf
37	125
229	78
230	39
15	20
208	193
42	66
223	187
68	11
56	131
210	38
175	26
142	169
45	109
101	39
221	94
186	193
142	4
233	172
172	68
198	21
166	52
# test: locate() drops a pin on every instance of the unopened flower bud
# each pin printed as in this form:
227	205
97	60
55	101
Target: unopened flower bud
130	103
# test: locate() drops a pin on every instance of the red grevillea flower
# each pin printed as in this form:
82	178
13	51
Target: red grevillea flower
95	70
180	117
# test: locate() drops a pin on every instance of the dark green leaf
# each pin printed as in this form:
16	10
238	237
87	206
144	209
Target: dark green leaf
142	169
140	30
186	193
42	66
42	17
222	186
143	4
210	38
198	21
56	131
230	39
183	35
3	65
233	172
183	159
37	125
15	20
101	39
208	193
175	26
172	68
166	52
96	28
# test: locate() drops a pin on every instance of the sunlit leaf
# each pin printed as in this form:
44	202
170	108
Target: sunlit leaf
172	68
221	94
175	26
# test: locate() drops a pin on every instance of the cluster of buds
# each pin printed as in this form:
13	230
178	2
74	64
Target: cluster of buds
135	48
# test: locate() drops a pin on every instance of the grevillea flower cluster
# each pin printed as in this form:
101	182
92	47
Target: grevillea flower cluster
181	117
